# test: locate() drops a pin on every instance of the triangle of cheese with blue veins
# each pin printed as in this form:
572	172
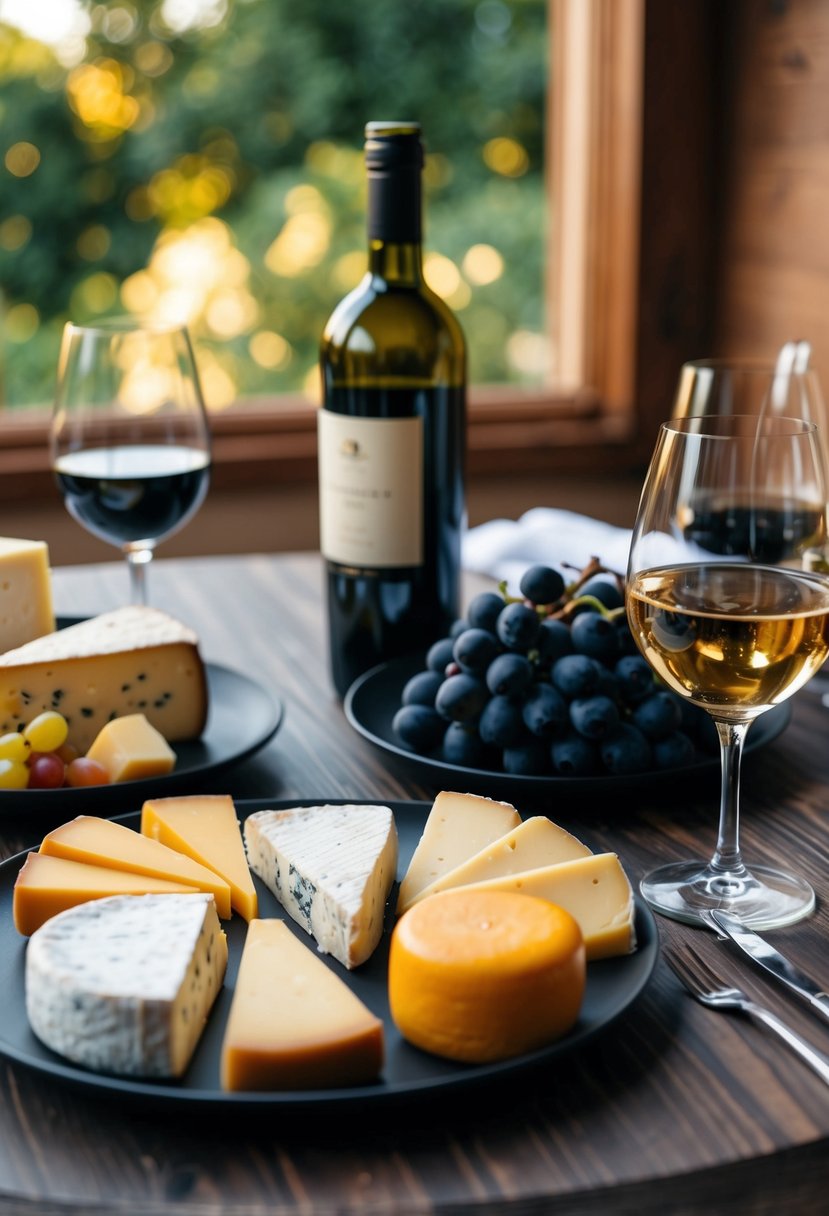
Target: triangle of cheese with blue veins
331	868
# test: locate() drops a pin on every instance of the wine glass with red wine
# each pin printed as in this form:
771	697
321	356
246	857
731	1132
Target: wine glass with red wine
130	440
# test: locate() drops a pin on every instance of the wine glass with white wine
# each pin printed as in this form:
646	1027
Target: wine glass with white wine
130	440
723	610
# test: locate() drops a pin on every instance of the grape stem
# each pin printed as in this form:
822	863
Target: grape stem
567	603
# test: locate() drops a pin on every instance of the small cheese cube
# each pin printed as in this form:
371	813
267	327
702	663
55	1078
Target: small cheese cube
131	748
25	592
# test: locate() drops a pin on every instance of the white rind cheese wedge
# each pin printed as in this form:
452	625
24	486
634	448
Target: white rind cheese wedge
293	1023
534	843
132	660
331	868
595	891
25	592
124	985
458	826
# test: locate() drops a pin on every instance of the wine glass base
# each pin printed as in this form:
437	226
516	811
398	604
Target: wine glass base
763	898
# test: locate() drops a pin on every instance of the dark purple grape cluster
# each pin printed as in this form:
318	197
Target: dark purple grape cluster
550	683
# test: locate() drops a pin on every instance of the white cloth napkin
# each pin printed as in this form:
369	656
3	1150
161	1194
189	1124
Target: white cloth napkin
504	548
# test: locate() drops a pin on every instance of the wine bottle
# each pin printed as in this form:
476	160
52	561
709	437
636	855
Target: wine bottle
391	433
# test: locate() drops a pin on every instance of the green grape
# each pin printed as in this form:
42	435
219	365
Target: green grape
14	775
47	732
13	747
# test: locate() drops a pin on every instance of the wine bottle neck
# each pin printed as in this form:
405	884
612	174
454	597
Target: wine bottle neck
394	223
396	263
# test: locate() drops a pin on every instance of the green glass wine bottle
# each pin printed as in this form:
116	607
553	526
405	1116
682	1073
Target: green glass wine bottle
392	434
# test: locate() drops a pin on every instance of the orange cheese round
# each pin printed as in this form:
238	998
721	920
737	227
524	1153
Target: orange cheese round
479	976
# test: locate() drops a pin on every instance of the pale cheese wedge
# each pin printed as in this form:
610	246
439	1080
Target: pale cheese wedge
102	842
331	868
534	843
595	891
132	660
205	828
48	885
293	1023
458	826
125	985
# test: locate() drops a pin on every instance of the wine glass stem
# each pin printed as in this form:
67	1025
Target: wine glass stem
137	561
727	857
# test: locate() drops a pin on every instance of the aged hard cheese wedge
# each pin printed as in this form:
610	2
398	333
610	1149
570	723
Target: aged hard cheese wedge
131	748
595	890
48	885
25	592
331	868
293	1023
124	985
535	842
480	976
101	842
205	828
132	660
458	826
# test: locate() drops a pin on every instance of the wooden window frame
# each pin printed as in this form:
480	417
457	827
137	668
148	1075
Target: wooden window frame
597	413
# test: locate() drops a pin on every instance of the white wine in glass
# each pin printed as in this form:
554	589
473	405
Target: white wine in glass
130	439
722	609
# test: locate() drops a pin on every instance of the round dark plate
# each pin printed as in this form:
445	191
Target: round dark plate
242	717
612	986
373	699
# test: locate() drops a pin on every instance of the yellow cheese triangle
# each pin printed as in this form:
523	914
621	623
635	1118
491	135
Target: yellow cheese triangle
205	827
100	842
48	885
293	1023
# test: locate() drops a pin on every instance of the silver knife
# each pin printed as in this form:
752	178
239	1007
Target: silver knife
772	961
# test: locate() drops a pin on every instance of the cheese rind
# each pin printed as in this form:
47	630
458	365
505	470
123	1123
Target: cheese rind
458	825
480	976
534	843
205	828
26	610
131	749
48	885
595	890
133	660
124	985
293	1023
102	842
331	868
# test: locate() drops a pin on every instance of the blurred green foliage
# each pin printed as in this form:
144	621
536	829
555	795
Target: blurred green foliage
212	172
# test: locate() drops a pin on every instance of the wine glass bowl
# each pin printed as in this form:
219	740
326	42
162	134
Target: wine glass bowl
722	608
130	440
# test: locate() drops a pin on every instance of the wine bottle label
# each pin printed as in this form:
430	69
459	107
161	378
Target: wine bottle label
371	490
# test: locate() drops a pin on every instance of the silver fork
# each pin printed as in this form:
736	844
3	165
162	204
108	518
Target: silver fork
709	989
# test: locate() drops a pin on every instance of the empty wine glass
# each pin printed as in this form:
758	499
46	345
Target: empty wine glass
130	441
723	610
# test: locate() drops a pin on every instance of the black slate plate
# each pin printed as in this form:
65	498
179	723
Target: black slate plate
373	699
612	987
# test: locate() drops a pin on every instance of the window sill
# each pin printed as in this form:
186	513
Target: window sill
264	442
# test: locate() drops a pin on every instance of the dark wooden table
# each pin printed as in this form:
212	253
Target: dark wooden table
675	1109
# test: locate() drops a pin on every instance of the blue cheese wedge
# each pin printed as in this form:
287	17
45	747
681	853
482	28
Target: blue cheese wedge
331	868
134	660
124	984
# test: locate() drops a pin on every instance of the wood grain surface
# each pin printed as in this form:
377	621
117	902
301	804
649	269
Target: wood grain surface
675	1109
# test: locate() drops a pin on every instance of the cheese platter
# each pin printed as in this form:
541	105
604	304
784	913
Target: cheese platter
613	984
